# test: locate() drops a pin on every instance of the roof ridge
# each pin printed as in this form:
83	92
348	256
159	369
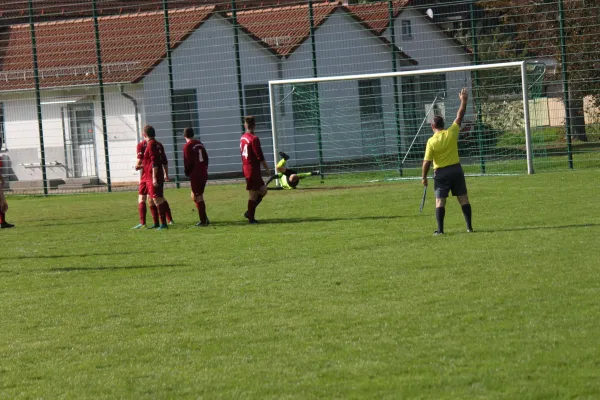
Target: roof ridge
288	7
211	7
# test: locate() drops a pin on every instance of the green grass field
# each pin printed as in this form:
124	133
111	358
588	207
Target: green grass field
341	292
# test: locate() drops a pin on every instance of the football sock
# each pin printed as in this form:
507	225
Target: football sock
271	178
162	212
201	206
304	175
251	209
440	213
2	215
466	209
154	212
281	163
143	211
168	212
258	200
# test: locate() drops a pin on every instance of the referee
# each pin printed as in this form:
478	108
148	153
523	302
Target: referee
448	175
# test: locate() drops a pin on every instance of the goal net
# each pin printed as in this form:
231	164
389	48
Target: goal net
378	124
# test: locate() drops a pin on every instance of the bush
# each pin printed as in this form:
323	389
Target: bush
468	142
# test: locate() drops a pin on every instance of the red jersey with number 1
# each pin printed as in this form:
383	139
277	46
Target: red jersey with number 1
252	153
195	159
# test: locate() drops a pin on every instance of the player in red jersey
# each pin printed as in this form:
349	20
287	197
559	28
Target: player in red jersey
252	159
143	193
155	174
195	165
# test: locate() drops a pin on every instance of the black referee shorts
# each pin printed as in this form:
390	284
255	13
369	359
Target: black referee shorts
450	178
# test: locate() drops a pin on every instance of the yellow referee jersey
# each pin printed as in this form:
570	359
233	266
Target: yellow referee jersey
442	147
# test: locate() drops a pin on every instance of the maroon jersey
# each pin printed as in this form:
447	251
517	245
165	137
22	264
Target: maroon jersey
251	151
141	148
195	159
154	157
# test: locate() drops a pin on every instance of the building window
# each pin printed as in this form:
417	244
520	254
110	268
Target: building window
257	104
371	115
2	131
406	29
432	85
185	107
305	108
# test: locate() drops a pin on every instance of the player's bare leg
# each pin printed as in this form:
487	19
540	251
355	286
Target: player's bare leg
254	199
142	210
201	206
3	209
466	209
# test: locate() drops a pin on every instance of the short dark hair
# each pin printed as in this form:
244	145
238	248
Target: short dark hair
438	121
149	131
251	122
188	133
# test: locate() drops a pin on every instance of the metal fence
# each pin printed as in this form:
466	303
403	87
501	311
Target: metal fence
80	78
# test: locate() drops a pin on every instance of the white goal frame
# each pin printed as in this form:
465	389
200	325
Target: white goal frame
524	83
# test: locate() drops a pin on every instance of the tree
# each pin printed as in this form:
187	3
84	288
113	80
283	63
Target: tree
535	28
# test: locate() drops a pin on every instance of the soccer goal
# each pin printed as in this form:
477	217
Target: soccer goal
379	123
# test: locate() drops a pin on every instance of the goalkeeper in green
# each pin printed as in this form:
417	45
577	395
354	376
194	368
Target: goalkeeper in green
289	178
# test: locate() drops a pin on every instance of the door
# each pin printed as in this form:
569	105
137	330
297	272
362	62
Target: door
79	142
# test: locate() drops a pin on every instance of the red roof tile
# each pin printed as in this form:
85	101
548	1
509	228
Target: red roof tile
376	15
284	28
132	45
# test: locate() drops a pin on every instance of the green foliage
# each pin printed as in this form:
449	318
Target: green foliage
339	293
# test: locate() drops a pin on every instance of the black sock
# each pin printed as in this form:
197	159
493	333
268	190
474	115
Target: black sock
466	209
440	213
259	200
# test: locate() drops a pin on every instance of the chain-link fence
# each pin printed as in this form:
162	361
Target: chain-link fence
80	78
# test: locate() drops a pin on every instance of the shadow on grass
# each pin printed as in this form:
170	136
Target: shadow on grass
75	269
535	228
55	256
268	221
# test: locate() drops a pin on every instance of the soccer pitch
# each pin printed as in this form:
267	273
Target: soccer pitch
340	292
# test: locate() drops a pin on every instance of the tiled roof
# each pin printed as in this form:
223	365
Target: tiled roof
376	15
132	45
283	29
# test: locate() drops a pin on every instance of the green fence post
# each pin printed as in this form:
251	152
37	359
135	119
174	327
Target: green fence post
565	79
38	104
395	82
476	91
102	102
171	88
313	46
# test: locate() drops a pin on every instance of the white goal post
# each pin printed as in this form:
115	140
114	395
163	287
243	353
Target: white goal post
273	101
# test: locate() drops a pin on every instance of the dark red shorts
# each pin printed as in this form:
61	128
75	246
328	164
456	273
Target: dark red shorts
143	189
198	184
253	180
155	191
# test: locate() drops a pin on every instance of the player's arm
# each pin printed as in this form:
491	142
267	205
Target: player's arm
187	160
165	163
259	154
463	96
427	160
425	171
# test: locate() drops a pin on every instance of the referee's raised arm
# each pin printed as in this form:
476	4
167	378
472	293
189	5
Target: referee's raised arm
464	97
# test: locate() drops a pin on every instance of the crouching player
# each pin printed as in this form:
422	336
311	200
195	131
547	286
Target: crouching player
195	163
143	192
289	178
